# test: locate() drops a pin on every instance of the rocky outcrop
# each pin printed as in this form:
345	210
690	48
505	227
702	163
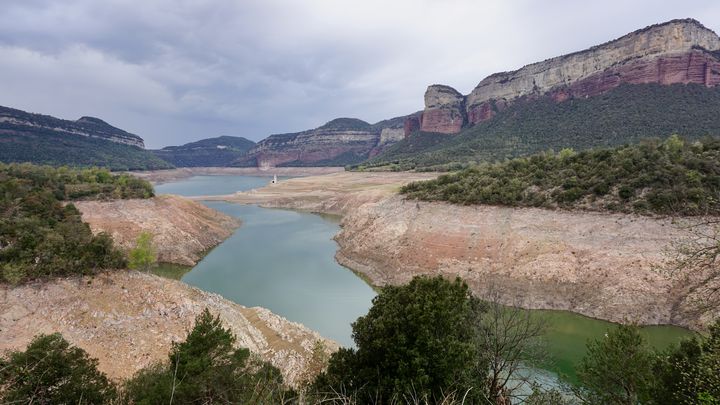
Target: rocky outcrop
444	110
340	142
12	120
128	320
412	123
183	230
657	54
679	51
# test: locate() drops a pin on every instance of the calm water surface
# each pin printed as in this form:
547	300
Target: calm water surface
278	259
284	261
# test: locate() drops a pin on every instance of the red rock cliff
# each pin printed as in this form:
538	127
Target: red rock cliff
679	51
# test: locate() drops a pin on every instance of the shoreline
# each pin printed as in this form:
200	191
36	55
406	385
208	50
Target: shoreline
600	265
164	176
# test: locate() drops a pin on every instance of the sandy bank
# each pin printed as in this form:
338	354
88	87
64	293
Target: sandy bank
182	229
607	266
163	176
127	320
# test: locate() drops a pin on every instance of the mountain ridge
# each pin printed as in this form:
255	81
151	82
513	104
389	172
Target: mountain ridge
88	141
219	151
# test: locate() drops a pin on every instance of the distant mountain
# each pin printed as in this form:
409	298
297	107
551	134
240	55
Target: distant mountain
212	152
89	141
653	82
340	142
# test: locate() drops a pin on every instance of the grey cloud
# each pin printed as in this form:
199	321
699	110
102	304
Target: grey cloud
178	70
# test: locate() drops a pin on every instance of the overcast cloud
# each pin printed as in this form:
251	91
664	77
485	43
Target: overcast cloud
174	71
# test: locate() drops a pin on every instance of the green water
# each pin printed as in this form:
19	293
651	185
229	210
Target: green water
284	261
568	334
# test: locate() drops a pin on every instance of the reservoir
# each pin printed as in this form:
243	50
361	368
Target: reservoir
284	261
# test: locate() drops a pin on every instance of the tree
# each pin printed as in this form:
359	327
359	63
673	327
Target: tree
143	255
511	341
417	341
51	371
206	368
617	369
690	373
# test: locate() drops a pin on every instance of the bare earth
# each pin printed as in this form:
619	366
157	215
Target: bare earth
608	266
163	176
128	320
183	230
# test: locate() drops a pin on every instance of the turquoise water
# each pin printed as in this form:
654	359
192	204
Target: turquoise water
284	261
278	259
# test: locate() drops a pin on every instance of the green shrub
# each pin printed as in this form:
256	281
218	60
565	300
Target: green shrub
670	178
51	371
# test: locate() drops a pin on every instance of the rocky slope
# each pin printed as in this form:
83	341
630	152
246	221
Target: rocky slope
339	142
679	51
36	138
183	230
128	320
212	152
611	267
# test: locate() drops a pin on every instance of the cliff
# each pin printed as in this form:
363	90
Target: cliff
679	51
339	142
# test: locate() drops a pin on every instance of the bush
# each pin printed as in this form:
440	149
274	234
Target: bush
51	371
206	368
676	178
41	235
417	339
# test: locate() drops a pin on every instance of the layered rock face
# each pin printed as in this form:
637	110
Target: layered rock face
18	121
679	51
339	142
444	110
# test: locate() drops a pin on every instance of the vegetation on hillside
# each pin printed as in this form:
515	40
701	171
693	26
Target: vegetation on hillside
213	152
626	114
48	148
42	139
670	177
41	236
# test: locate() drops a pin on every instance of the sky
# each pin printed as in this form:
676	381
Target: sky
174	71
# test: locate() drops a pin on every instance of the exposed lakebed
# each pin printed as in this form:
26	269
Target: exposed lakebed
284	261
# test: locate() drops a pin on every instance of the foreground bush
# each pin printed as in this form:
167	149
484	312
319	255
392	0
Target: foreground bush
417	341
206	368
51	371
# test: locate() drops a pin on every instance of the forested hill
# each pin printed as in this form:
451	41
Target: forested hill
42	139
212	152
626	114
674	177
